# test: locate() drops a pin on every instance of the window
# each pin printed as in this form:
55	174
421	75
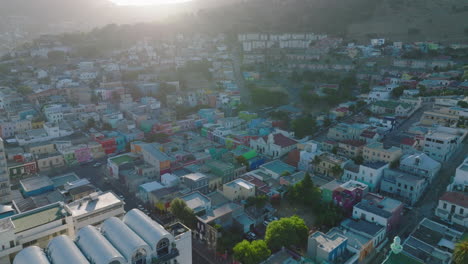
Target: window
444	206
461	211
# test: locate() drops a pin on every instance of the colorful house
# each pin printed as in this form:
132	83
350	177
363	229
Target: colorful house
349	194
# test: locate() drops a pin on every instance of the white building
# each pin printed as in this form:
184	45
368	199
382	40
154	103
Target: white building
136	239
238	189
420	164
95	209
460	181
402	185
5	190
369	173
379	94
442	142
34	227
274	145
453	208
311	149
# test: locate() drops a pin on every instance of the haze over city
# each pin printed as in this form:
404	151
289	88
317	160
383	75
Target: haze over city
233	132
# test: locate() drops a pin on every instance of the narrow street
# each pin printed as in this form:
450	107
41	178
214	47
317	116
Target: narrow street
237	62
427	204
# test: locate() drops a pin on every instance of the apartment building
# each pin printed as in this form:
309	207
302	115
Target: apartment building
453	208
238	189
375	151
34	228
136	239
442	142
5	191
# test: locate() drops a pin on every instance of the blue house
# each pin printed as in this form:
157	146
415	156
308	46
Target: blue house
36	185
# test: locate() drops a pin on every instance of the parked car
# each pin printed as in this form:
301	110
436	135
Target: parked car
97	164
250	236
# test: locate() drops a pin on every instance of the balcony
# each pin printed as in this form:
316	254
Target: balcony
171	255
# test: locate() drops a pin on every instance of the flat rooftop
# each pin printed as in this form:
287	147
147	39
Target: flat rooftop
196	201
35	183
278	167
328	242
195	176
241	183
60	181
93	202
38	217
121	159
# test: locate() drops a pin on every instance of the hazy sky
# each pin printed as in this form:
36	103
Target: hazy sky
145	2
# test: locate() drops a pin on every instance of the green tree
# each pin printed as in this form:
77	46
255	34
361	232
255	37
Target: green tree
286	232
394	164
251	252
331	215
182	212
462	104
304	126
91	123
157	137
259	201
24	90
337	170
359	159
460	254
398	91
106	126
56	56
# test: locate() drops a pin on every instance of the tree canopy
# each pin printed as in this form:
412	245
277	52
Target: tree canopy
304	126
305	192
251	252
286	232
182	212
460	254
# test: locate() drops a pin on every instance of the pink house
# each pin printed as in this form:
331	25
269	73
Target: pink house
83	154
349	194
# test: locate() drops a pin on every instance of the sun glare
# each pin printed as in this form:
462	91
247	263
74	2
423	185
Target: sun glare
146	2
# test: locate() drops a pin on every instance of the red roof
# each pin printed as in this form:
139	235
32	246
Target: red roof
408	141
368	134
281	140
354	143
456	198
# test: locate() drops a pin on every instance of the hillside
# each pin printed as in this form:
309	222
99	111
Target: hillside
398	19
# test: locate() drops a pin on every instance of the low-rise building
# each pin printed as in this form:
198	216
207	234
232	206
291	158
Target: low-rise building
453	208
145	242
348	194
375	151
324	247
196	182
369	173
95	209
274	145
380	210
441	142
420	164
330	165
34	228
238	189
402	185
460	181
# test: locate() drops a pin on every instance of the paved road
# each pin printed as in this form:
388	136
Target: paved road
237	62
97	177
427	204
394	138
